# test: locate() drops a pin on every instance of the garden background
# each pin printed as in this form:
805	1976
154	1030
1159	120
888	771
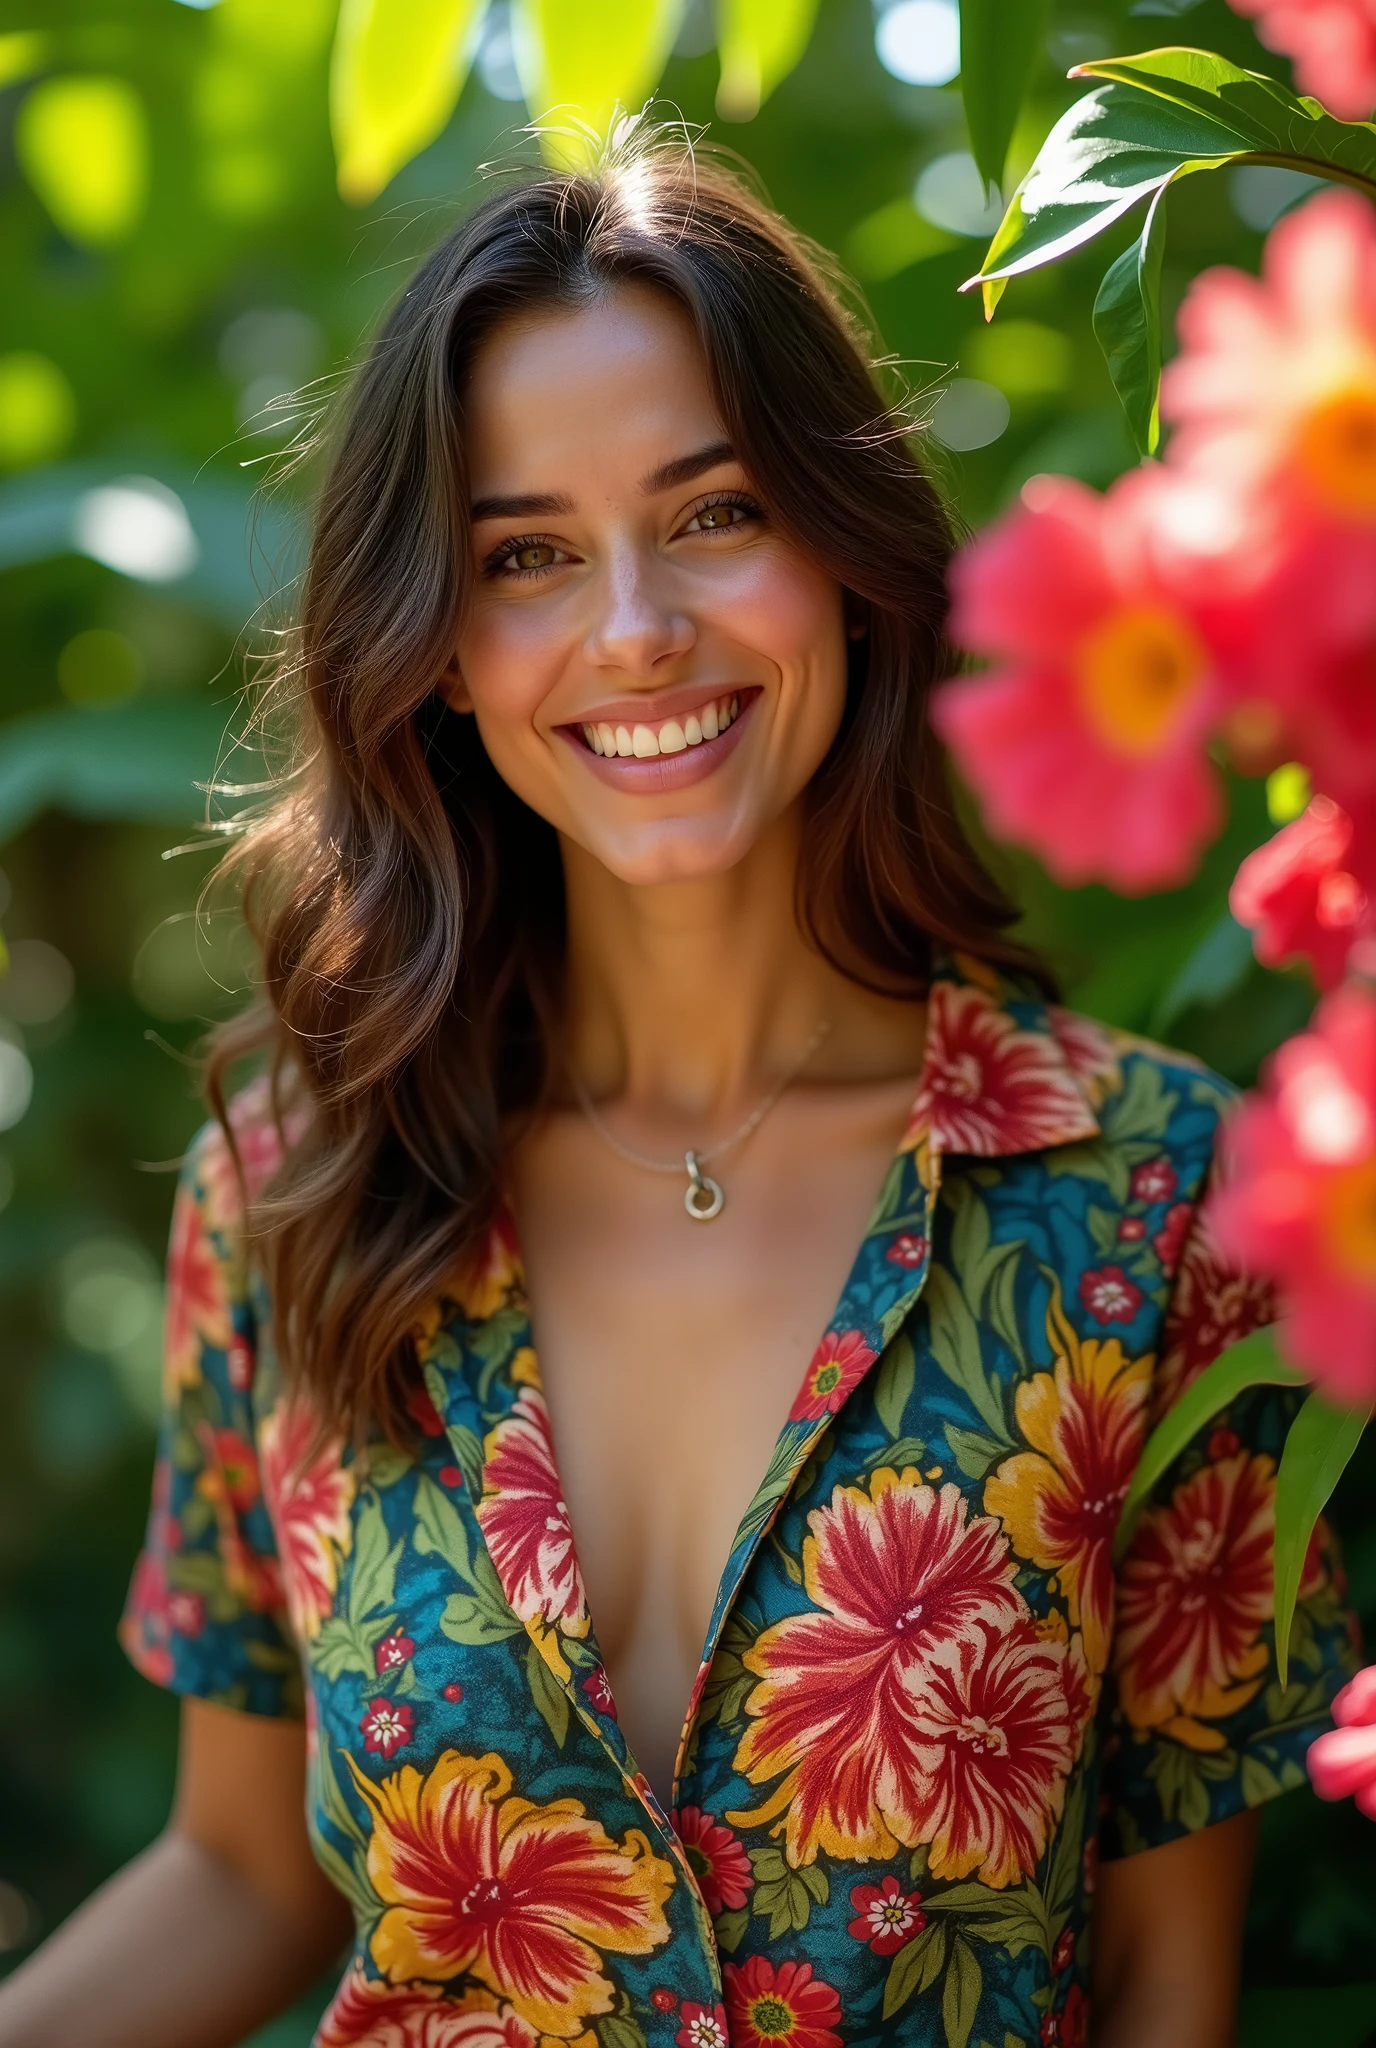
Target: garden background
177	262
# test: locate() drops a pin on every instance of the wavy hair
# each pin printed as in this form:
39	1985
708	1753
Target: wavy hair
407	906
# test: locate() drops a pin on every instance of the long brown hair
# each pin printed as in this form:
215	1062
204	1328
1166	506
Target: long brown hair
407	906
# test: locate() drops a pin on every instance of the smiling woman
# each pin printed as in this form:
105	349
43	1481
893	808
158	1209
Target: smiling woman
671	1670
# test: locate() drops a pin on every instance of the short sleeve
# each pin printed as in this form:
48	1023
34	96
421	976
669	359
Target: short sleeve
1194	1721
206	1613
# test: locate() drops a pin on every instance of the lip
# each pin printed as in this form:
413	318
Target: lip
661	772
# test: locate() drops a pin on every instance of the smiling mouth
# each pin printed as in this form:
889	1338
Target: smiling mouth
670	736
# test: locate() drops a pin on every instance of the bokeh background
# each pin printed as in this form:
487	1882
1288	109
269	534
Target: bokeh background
183	288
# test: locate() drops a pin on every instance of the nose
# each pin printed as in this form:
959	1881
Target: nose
638	623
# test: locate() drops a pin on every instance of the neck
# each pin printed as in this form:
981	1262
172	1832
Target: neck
689	999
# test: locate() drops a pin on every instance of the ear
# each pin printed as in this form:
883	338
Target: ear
453	688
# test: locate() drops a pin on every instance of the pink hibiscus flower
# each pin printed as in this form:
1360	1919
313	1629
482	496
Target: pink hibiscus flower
1109	1295
890	1573
1086	741
371	2013
885	1915
1300	1204
1298	895
1332	44
998	1727
309	1492
716	1859
990	1087
1342	1764
839	1362
387	1726
526	1520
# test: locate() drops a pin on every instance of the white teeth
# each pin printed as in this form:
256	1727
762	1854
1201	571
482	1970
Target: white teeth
672	739
623	741
710	726
692	731
643	742
607	738
735	705
591	739
674	736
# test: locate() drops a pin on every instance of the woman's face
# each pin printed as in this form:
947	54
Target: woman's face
653	666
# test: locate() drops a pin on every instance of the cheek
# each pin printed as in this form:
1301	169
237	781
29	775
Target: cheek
793	613
506	655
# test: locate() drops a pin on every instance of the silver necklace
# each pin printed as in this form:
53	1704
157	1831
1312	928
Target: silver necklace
703	1197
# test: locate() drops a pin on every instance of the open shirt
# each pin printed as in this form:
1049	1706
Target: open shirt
928	1699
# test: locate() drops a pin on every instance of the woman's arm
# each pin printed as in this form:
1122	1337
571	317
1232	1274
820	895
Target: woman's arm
1168	1941
220	1924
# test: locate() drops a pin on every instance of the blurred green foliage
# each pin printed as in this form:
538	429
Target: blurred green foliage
185	286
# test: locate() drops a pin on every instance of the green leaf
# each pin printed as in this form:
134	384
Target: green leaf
349	1875
973	1452
916	1967
548	1694
759	42
1015	1920
1127	325
439	1527
1254	1362
956	1349
619	2030
469	1618
999	47
579	65
1212	971
1317	1450
372	1579
345	1645
893	1386
331	1800
961	1994
730	1927
396	73
386	1464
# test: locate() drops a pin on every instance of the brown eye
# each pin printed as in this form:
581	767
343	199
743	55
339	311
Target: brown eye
713	517
535	555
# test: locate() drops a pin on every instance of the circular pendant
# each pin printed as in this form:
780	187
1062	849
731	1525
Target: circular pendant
703	1197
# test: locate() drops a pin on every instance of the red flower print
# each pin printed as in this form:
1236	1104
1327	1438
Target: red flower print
890	1574
715	1858
1155	1180
453	1691
988	1086
997	1727
1090	1051
477	1881
907	1249
309	1493
239	1361
663	2001
526	1521
597	1686
885	1915
387	1726
235	1467
1074	2019
1212	1307
371	2013
392	1652
1063	1955
1051	2030
703	2027
423	1411
1193	1594
769	2003
494	1275
1109	1295
1131	1230
1169	1240
450	1475
1224	1443
186	1613
197	1303
839	1362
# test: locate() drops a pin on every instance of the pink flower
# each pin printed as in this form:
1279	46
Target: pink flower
840	1361
387	1726
1109	1295
371	2013
1169	1241
907	1249
186	1613
885	1915
990	1087
715	1858
1332	44
1155	1180
526	1520
309	1493
1342	1764
1086	740
392	1652
1298	897
1300	1206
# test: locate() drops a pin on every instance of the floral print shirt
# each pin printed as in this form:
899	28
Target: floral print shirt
928	1700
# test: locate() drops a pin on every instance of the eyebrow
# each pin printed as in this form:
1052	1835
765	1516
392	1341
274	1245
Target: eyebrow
554	504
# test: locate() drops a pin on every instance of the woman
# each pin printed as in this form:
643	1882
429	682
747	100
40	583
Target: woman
620	942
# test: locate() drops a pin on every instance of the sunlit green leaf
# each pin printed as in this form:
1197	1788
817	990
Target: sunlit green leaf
398	68
23	52
1127	323
760	41
1254	1362
579	64
1317	1450
83	145
999	47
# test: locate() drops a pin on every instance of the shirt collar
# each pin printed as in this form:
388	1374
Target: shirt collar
1005	1071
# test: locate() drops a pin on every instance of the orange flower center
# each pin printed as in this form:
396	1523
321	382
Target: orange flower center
1350	1214
1337	450
1137	672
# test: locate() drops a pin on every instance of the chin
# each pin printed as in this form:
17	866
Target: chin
679	850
